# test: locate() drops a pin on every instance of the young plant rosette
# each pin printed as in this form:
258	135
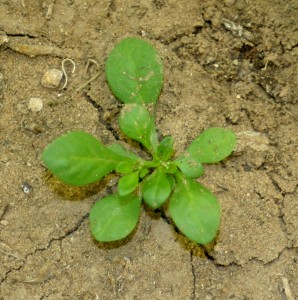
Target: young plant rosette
135	76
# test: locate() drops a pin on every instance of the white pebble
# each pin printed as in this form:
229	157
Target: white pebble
51	78
35	104
235	62
3	38
4	222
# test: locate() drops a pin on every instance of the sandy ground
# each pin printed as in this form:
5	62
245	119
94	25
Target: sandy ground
230	63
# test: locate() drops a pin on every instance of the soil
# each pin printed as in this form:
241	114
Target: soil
231	63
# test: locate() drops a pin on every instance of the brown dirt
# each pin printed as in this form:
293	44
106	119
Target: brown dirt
227	63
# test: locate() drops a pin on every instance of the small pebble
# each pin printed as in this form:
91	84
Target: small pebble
3	38
51	78
235	62
35	104
4	222
27	188
1	82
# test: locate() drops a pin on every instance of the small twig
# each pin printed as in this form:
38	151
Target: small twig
64	72
287	288
3	211
49	11
37	50
86	83
85	72
89	62
50	8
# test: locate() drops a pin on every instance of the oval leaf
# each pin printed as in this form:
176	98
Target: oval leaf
125	168
78	158
127	165
165	148
212	145
134	71
143	172
157	188
195	210
136	123
120	150
190	166
113	217
128	183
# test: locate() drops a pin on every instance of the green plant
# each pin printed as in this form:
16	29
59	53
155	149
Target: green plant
134	74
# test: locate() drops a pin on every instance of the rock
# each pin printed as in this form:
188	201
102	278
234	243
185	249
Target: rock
35	104
4	222
51	78
3	38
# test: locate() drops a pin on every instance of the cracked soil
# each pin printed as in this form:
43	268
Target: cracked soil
231	63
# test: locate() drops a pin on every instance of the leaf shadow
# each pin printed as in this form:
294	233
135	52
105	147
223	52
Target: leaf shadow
117	244
73	193
203	251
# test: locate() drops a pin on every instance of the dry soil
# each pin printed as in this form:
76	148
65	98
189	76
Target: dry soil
230	63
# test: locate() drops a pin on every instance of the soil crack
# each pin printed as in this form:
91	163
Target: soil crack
101	116
60	238
66	234
26	35
194	282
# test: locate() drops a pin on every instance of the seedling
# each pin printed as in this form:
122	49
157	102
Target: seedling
134	74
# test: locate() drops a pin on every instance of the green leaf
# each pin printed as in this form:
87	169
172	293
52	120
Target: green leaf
212	145
125	167
129	164
143	172
190	166
169	167
120	150
136	123
195	210
78	158
157	188
134	71
128	183
165	148
113	217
